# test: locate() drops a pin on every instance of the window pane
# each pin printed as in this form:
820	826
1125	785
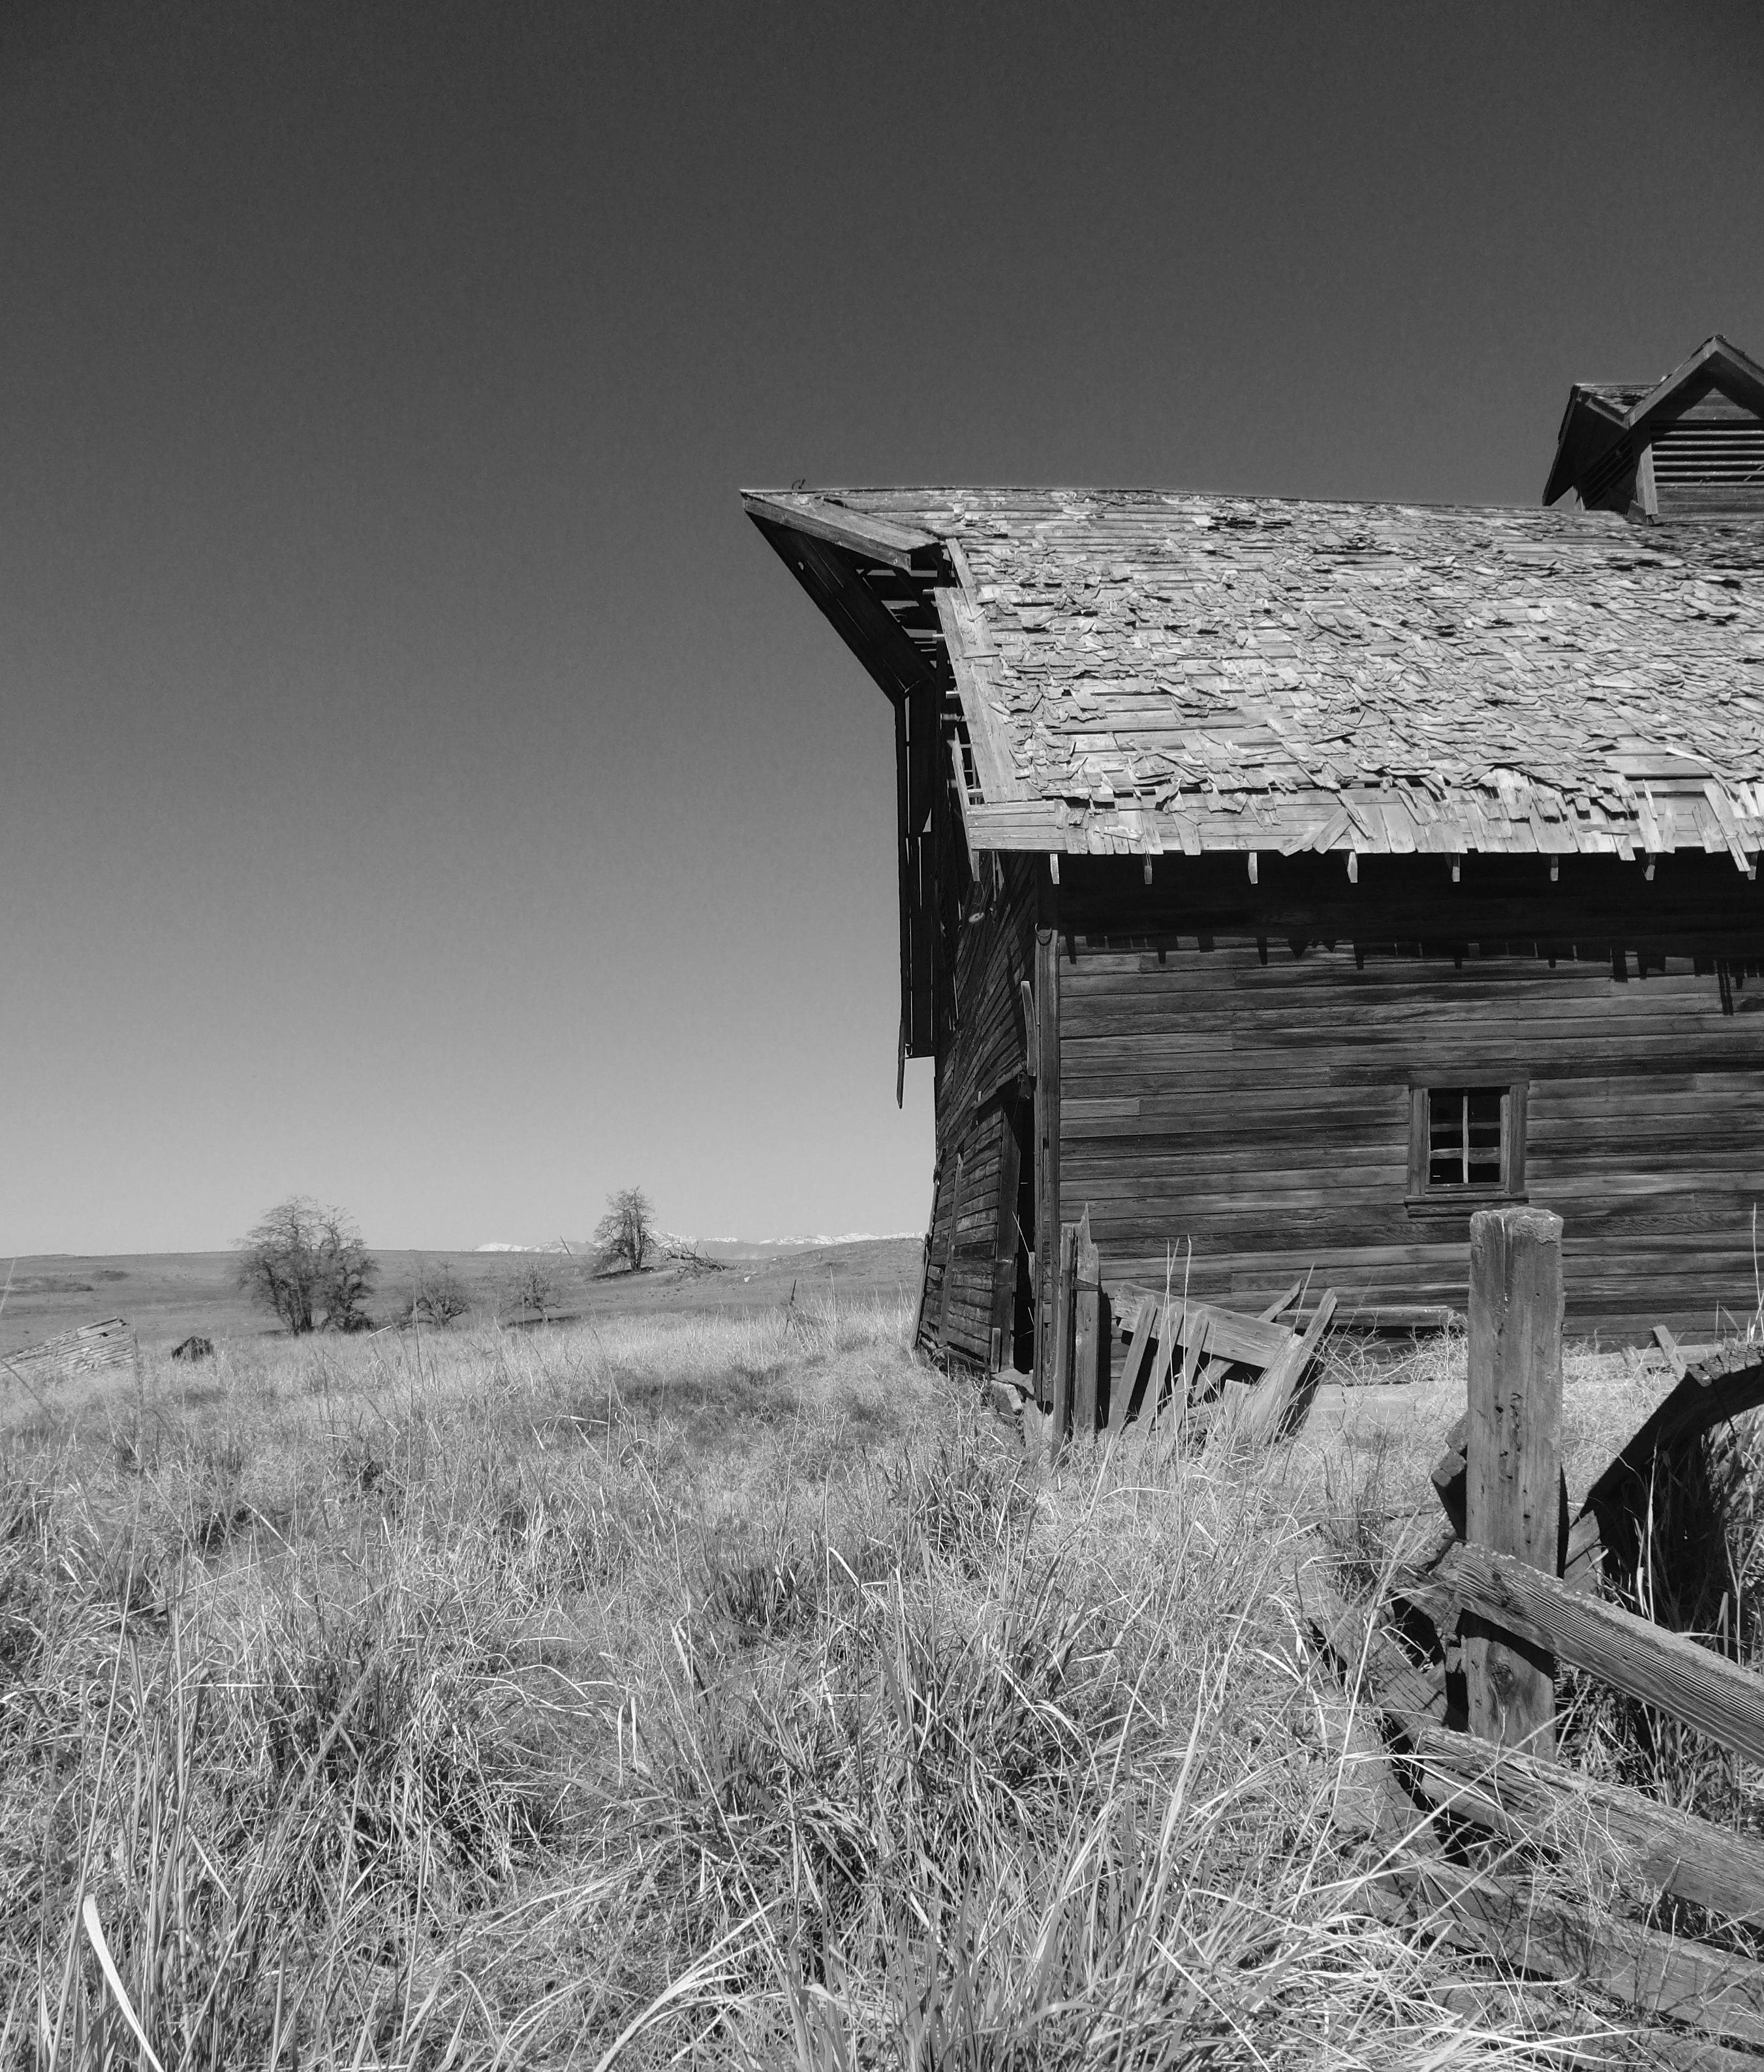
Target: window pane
1484	1133
1464	1137
1445	1136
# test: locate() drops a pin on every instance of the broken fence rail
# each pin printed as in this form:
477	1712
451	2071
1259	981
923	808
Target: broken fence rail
1514	1599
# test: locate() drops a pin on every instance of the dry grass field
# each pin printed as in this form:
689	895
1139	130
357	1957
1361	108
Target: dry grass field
712	1688
167	1296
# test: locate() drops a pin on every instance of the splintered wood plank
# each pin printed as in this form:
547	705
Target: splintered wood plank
1668	1345
1232	1336
1660	1667
1282	1303
1262	1414
1124	1400
1130	1308
88	1349
1148	1393
1367	1658
1193	1350
1513	1455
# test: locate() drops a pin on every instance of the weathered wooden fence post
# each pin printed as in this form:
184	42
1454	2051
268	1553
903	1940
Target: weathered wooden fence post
1513	1451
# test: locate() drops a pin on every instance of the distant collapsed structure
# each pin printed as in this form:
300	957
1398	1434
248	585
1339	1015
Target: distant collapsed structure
1295	878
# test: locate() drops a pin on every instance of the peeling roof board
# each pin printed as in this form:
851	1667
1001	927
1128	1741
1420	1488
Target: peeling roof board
1585	657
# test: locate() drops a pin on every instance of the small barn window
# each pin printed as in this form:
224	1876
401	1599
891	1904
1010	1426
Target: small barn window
1466	1145
1464	1135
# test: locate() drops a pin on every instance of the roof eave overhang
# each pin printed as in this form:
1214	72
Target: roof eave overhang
1699	820
902	547
940	568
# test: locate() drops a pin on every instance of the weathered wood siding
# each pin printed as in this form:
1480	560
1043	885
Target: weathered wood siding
1261	1110
978	1069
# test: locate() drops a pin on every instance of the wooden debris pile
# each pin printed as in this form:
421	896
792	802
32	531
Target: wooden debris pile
92	1349
1441	1696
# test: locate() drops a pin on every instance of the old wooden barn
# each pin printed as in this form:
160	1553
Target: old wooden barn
1289	879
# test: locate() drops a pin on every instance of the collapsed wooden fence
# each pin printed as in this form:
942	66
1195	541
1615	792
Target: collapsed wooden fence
1184	1360
1447	1686
91	1349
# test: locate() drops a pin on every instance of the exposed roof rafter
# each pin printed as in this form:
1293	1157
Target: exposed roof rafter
903	547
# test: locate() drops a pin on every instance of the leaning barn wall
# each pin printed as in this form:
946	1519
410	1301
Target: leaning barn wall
978	1068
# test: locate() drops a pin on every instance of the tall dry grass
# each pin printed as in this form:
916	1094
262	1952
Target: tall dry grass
727	1690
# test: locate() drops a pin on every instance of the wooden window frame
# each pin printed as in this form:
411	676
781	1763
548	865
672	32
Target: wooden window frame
1423	1199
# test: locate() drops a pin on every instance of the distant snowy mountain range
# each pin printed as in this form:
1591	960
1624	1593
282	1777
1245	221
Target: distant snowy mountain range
674	1246
846	1237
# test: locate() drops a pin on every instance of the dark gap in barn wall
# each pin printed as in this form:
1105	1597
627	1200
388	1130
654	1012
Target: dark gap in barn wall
1692	899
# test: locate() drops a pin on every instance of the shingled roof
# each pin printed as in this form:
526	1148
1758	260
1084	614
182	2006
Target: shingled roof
1139	672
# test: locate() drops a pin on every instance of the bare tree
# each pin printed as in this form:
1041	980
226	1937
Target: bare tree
534	1287
436	1297
308	1266
626	1236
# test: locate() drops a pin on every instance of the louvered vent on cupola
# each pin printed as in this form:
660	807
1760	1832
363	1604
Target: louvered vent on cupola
1690	446
1705	459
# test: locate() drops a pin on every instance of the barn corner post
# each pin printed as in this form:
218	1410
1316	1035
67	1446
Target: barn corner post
1513	1452
1047	1235
1090	1336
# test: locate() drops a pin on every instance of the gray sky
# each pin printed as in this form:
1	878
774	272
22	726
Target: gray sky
420	787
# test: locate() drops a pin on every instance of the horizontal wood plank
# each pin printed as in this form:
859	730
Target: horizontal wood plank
1622	1832
1645	1661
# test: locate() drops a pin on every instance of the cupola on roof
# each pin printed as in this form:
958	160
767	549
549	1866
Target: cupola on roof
1691	445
